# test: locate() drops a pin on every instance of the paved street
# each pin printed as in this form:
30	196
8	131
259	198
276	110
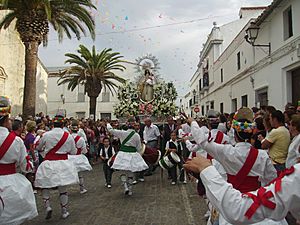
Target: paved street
153	202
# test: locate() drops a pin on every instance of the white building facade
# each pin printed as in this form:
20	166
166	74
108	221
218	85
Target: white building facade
76	103
244	75
219	39
12	71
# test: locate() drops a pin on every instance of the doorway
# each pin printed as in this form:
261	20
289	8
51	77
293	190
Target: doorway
295	86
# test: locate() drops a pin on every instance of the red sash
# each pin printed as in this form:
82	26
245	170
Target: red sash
78	149
52	155
241	181
218	140
6	169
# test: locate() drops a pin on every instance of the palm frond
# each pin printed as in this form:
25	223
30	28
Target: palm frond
7	20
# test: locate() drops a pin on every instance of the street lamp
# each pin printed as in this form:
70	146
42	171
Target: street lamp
194	92
251	36
62	97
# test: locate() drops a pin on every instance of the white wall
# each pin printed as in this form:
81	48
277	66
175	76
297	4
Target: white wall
12	57
72	105
258	70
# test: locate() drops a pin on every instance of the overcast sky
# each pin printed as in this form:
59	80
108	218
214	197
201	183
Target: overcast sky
177	47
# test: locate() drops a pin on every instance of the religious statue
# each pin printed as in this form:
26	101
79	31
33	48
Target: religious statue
147	86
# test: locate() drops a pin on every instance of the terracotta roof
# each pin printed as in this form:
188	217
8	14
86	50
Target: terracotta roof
267	12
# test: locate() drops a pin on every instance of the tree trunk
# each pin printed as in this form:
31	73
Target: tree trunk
93	102
29	96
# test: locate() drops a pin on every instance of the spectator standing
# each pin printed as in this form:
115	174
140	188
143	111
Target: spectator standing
17	127
30	147
168	129
294	148
151	138
151	134
260	130
277	141
102	135
81	131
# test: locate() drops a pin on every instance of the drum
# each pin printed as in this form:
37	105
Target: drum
150	155
111	160
168	161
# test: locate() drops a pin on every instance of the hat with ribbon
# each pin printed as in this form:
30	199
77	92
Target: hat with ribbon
59	118
243	120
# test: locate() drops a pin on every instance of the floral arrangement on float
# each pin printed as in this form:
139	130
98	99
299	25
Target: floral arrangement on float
149	95
131	102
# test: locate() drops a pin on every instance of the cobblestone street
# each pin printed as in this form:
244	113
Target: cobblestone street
153	202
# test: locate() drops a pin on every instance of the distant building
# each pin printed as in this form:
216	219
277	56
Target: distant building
240	74
217	43
12	71
76	103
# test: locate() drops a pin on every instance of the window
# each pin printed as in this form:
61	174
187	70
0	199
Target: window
200	85
221	107
106	116
234	105
190	102
202	110
261	97
80	115
212	105
245	100
238	57
105	97
287	23
205	80
207	108
81	95
222	79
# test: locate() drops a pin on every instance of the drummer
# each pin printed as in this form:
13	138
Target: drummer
173	146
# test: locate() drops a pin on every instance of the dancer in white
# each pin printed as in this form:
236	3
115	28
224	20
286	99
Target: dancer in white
272	202
128	159
17	201
247	168
56	170
80	160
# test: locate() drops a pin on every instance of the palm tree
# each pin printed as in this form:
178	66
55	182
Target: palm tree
32	19
93	70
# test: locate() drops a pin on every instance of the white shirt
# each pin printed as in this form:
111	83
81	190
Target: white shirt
52	137
201	152
151	133
186	128
233	205
82	134
16	153
168	144
135	140
293	152
80	143
230	134
233	158
106	151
